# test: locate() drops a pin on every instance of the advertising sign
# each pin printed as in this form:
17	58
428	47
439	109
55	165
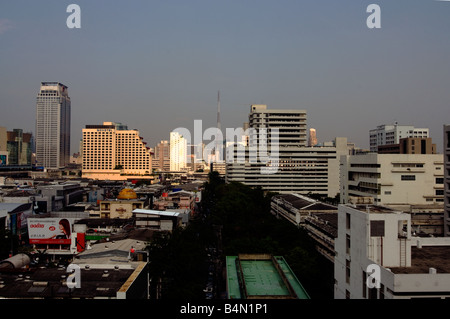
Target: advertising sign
50	230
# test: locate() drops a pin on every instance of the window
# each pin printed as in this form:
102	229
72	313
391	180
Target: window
347	244
376	228
347	271
347	220
408	177
439	192
387	192
439	180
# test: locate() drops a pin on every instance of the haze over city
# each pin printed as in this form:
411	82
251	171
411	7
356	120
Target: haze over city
158	65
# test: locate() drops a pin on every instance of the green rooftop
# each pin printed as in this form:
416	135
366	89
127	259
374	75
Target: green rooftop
261	276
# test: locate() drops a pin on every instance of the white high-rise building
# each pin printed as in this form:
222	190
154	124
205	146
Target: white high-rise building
279	160
53	109
391	134
178	152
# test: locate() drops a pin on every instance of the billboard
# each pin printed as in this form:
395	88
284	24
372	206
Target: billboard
50	230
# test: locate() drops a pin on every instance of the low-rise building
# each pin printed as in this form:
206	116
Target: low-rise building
378	258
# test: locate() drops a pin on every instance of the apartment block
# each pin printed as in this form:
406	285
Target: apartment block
393	179
112	152
378	258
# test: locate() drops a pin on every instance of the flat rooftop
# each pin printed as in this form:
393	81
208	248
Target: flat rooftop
422	259
373	209
262	276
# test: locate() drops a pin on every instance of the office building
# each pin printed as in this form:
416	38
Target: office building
378	258
113	152
178	152
277	159
393	179
447	180
53	111
295	169
291	125
391	134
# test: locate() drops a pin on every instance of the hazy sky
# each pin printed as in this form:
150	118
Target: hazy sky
157	65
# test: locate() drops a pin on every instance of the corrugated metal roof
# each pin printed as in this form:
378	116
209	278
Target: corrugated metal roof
155	212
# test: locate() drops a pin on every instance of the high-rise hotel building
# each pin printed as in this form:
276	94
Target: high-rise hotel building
113	152
53	110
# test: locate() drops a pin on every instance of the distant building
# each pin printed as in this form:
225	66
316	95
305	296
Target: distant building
378	258
178	152
20	147
53	112
112	152
161	160
261	276
312	141
392	179
277	159
391	134
447	180
409	145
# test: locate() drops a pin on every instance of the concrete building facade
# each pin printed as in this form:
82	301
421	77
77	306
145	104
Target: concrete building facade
393	179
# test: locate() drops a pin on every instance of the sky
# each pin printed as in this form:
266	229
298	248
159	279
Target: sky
157	65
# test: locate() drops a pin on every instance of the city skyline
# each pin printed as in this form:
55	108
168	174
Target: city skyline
158	66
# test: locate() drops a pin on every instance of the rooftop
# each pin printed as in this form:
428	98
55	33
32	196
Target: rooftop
422	259
302	202
262	276
49	283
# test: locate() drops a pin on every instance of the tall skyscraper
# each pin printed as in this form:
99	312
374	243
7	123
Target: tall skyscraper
53	110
